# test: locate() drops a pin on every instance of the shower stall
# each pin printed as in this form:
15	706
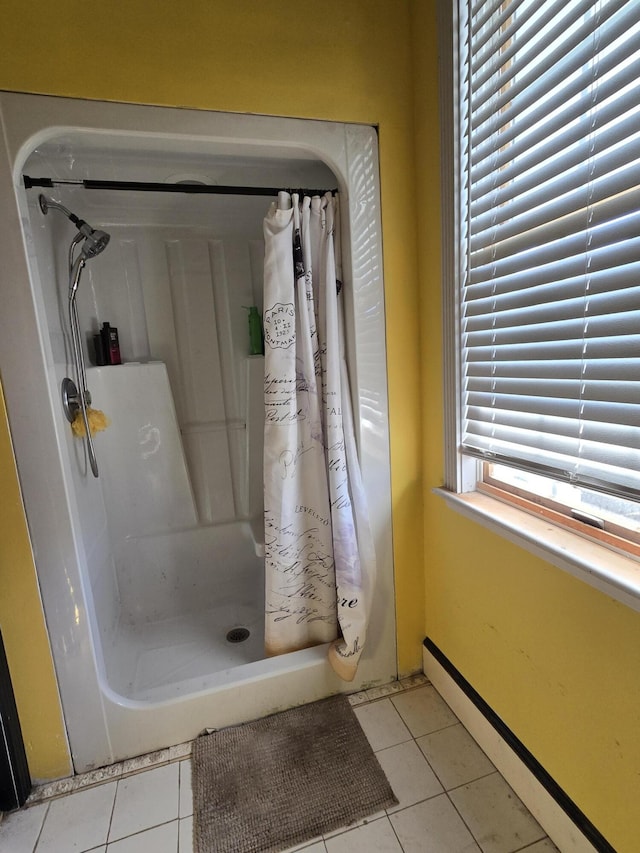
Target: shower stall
152	572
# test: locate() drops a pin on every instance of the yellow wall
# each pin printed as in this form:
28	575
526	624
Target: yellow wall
349	61
23	630
557	660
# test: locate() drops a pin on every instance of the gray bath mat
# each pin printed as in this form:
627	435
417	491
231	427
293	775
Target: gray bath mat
267	785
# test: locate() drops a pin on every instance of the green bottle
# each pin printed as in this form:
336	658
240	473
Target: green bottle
256	339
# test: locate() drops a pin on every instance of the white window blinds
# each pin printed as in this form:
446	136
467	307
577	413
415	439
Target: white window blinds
550	195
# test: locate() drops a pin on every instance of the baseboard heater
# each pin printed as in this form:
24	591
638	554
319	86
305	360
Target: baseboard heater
573	812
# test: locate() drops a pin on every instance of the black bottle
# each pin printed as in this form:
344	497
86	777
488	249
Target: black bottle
110	344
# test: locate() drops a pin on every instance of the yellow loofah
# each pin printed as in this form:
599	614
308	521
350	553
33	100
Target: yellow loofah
97	422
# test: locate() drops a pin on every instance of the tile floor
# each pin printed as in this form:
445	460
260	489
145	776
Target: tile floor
451	798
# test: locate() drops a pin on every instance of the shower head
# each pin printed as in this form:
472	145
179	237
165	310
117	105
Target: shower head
94	241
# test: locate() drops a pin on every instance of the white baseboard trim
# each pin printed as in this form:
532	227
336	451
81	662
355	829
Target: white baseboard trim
557	824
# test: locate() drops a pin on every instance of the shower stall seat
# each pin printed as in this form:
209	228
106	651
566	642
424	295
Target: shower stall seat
184	587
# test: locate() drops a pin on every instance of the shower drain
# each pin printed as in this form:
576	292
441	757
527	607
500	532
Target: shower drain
238	635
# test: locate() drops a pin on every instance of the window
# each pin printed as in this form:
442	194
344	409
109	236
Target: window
542	291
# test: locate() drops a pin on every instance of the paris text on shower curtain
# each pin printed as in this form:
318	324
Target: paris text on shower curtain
319	556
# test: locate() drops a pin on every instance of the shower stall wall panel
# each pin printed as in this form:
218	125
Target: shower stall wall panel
89	516
139	595
197	301
194	291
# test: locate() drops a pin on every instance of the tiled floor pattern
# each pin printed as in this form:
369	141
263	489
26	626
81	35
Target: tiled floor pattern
451	798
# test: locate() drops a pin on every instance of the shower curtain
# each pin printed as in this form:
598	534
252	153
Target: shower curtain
319	556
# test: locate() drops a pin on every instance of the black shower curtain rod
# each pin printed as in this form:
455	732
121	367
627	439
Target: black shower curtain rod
149	186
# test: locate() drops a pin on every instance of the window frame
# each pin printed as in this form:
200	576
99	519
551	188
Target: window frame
573	547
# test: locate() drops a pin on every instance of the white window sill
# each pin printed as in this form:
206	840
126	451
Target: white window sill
608	571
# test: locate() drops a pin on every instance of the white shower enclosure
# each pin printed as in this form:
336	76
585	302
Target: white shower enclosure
152	575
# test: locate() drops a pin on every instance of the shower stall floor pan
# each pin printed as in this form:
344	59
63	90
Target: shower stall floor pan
149	661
